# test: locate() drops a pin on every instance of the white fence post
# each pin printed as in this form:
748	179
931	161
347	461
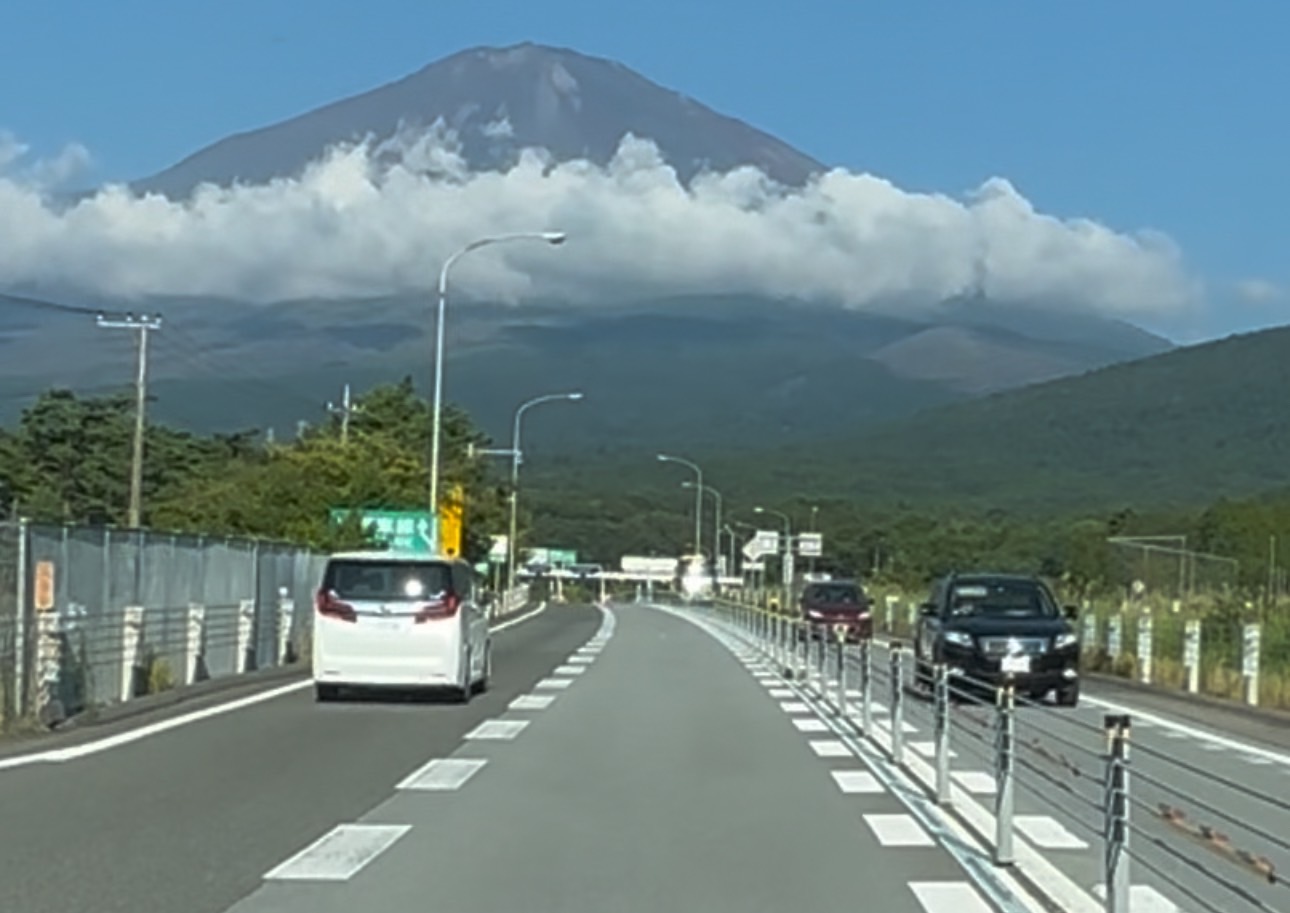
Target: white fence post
1191	653
131	641
1250	640
1144	648
286	614
245	627
1114	635
193	641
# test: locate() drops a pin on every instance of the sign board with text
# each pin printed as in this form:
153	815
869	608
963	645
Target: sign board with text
764	542
401	530
810	545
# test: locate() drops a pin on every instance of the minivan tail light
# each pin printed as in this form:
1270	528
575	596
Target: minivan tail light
328	605
444	608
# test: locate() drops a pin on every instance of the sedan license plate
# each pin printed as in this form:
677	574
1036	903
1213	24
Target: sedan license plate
383	624
1015	664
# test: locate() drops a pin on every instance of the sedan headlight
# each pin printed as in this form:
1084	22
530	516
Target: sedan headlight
1062	641
958	638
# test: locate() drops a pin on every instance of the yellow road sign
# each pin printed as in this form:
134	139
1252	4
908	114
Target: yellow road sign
450	522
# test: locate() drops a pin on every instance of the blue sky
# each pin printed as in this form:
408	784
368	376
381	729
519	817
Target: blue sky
1142	115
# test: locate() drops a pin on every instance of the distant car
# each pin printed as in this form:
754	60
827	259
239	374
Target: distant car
986	627
391	620
836	605
583	571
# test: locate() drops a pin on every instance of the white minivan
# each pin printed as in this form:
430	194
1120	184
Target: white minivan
399	620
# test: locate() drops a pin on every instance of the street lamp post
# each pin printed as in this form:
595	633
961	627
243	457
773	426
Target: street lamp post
515	473
716	526
436	423
788	549
698	498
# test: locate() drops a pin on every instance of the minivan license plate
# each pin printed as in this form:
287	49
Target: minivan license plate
1016	664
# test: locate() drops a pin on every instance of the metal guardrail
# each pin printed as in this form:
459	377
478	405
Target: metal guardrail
92	616
1203	832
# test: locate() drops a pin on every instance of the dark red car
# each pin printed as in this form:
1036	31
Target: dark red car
837	604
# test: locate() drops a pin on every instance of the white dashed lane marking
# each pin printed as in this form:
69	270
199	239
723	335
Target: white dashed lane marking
339	854
830	748
1047	833
556	683
794	707
857	781
810	724
443	774
928	749
532	702
570	670
1142	899
898	830
975	781
948	897
497	730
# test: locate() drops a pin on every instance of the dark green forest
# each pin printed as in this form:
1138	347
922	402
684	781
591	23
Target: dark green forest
67	460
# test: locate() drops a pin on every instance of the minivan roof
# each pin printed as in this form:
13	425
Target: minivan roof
397	555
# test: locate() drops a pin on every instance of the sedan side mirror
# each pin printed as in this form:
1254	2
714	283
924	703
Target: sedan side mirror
1071	612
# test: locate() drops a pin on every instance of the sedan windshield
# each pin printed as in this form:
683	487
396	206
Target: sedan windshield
834	595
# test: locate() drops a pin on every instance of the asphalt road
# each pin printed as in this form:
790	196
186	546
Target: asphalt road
667	776
191	819
1222	770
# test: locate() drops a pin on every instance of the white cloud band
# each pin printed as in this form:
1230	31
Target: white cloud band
363	221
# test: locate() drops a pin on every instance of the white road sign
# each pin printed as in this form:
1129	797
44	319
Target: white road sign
765	542
810	545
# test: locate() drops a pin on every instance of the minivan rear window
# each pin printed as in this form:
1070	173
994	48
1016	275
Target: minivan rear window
835	593
388	581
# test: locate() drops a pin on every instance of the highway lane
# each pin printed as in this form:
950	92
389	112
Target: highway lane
667	776
185	819
1178	763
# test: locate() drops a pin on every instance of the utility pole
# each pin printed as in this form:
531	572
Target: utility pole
143	325
344	410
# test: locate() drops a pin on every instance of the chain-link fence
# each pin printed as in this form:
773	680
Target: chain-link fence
91	616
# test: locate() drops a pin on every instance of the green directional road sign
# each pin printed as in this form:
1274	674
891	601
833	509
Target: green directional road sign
559	557
403	530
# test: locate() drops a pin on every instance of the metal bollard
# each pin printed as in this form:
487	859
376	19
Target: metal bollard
1005	739
842	677
941	702
897	705
822	663
1116	806
866	684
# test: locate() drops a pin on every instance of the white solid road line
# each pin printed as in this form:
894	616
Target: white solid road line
60	755
340	854
948	897
898	830
1175	729
442	774
516	621
497	730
